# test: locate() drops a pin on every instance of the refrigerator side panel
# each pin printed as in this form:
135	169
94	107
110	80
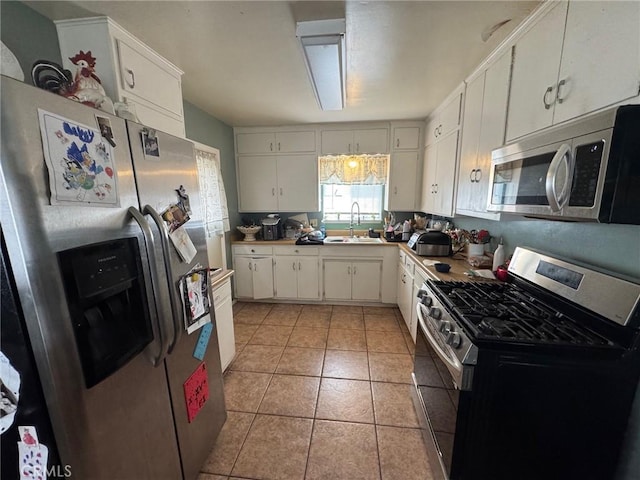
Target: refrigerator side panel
121	427
157	179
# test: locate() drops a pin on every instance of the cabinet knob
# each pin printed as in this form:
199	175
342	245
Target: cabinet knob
131	84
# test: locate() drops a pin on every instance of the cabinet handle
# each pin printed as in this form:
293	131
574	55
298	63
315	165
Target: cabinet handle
436	191
547	105
435	132
357	147
278	146
273	192
561	84
250	266
280	191
397	143
348	270
271	147
472	175
294	266
299	266
255	267
349	148
395	190
478	175
354	270
133	78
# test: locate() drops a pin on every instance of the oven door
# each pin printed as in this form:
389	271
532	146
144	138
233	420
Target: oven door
534	182
435	397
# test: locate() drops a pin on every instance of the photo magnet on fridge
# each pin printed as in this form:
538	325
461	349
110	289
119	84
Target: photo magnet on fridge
105	129
150	143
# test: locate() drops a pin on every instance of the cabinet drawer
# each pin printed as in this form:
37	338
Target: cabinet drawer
296	250
252	250
221	294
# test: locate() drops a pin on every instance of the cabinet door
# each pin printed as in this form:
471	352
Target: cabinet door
298	183
493	124
308	269
471	125
446	175
255	143
402	185
336	142
375	140
406	138
600	57
224	323
285	273
243	274
535	74
263	277
366	280
337	280
450	116
296	142
427	197
143	76
257	184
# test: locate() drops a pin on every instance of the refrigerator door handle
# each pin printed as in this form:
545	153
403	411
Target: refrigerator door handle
155	281
164	242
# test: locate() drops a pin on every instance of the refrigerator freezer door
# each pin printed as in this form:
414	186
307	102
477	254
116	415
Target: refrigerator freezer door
157	179
122	427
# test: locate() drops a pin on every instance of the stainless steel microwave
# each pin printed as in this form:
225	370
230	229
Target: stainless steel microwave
586	170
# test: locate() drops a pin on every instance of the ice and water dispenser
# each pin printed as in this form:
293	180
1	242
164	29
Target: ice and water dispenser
107	301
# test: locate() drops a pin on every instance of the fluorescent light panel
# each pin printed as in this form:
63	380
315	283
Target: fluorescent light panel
324	53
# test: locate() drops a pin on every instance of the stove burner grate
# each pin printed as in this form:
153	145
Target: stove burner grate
500	311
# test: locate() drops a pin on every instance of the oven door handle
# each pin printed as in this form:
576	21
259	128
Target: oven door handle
449	363
557	199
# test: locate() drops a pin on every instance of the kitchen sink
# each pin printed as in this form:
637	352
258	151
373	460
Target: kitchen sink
335	240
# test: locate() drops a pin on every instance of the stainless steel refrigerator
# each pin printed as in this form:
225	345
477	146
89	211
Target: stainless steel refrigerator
102	289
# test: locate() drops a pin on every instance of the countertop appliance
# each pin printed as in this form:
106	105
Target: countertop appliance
431	244
585	170
271	228
517	379
97	280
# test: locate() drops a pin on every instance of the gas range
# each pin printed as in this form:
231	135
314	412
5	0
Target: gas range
534	358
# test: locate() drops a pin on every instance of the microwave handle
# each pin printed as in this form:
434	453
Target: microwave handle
558	200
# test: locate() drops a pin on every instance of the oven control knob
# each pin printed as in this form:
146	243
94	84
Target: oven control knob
426	300
454	339
435	312
445	327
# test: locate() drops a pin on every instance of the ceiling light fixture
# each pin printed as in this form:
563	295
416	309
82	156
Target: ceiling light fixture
325	57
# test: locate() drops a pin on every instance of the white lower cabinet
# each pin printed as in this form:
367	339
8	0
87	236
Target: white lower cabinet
253	272
222	305
352	280
419	278
296	274
405	287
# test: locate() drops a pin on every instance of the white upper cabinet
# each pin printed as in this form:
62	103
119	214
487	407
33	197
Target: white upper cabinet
276	142
341	142
577	58
128	69
406	138
403	181
445	120
483	129
441	157
272	183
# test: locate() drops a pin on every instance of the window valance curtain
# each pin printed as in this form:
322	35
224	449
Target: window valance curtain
353	169
212	193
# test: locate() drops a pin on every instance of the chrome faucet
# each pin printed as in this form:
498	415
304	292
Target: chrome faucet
351	222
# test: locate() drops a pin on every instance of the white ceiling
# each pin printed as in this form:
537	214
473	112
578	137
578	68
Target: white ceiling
243	65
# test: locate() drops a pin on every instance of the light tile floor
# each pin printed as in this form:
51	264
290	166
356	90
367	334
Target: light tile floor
319	392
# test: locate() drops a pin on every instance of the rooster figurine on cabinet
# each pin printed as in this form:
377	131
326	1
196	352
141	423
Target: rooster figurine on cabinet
84	86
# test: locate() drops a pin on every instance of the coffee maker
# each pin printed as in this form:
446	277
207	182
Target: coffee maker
271	228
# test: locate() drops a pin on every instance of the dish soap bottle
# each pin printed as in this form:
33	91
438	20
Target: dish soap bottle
498	256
